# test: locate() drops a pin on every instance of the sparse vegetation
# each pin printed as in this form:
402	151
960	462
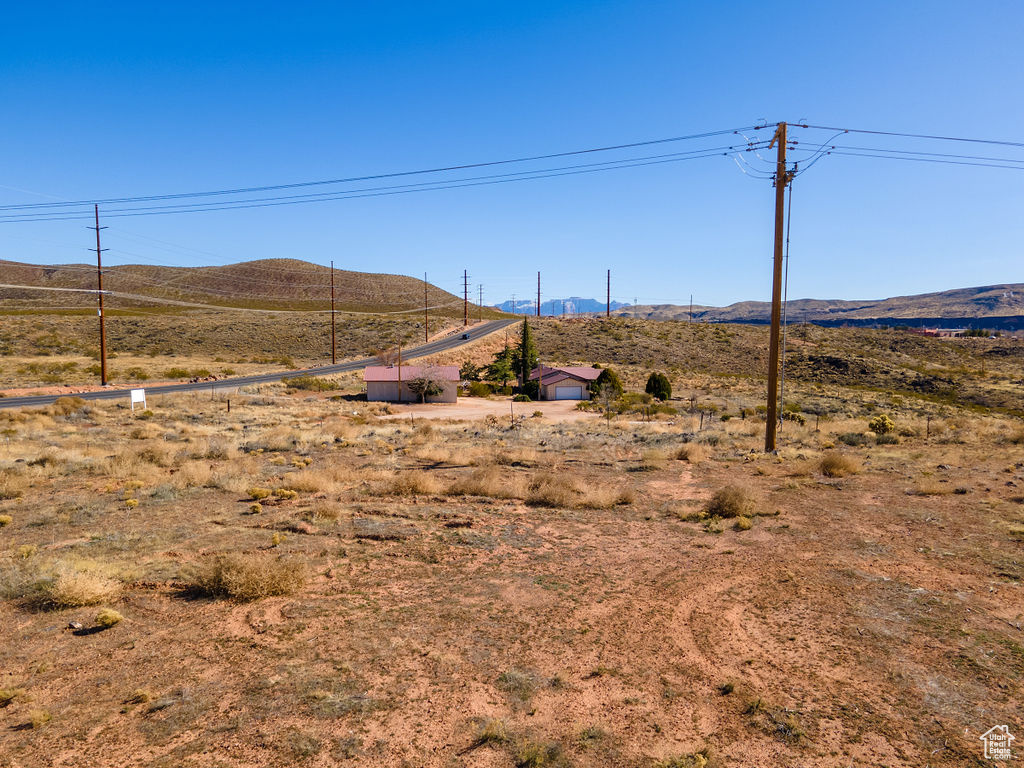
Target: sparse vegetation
730	501
250	577
835	464
108	617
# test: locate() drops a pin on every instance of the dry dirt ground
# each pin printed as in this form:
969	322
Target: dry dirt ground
460	593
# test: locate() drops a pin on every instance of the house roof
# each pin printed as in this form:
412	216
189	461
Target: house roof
410	372
550	375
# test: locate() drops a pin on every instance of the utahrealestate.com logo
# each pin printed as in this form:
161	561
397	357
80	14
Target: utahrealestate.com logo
997	742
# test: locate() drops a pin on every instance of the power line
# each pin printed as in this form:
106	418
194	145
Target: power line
911	135
397	174
23	217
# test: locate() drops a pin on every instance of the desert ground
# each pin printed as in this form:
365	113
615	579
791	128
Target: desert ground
310	579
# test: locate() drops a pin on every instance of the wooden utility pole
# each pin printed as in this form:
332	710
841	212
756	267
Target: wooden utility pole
99	295
691	308
426	316
538	294
608	306
465	297
480	305
334	342
781	180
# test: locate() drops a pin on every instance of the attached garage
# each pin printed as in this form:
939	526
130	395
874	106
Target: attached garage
568	383
569	393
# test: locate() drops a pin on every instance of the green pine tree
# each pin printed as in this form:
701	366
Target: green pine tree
526	355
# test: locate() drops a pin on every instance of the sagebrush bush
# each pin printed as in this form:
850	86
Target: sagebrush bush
691	452
250	577
730	501
835	464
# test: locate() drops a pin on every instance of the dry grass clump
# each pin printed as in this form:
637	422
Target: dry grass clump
550	489
519	457
407	483
5	520
730	501
7	695
250	577
492	731
37	718
694	453
312	481
73	588
835	464
489	482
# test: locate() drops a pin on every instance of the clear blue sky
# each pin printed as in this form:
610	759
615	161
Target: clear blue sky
135	99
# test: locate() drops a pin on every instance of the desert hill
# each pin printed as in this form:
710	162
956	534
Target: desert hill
991	306
261	284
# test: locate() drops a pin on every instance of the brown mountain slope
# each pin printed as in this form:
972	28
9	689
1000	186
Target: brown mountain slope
263	284
991	305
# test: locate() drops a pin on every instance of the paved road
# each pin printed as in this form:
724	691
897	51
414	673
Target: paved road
441	345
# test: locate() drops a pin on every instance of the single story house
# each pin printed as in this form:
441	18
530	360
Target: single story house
570	382
382	382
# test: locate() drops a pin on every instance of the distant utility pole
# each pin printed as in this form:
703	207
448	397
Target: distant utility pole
399	370
480	306
514	304
538	297
426	316
334	344
782	178
608	306
99	295
691	308
465	297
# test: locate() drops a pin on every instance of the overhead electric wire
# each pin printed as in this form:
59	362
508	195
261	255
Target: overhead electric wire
382	191
397	174
910	135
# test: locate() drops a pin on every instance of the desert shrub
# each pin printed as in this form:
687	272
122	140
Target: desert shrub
250	577
835	464
72	588
108	617
520	683
489	482
522	398
887	439
730	501
5	520
65	406
691	452
492	731
311	383
659	386
479	389
743	524
408	483
882	424
854	438
176	373
285	493
7	695
258	494
550	489
37	718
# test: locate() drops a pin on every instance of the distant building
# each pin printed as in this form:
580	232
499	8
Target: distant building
942	333
565	383
382	382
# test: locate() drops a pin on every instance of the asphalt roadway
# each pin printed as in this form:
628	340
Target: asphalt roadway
440	345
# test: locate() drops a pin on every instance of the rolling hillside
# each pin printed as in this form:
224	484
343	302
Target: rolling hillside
990	306
265	284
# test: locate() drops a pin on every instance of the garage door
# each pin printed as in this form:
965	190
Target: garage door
568	393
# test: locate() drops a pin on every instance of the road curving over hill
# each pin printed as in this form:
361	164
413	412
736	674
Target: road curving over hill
455	340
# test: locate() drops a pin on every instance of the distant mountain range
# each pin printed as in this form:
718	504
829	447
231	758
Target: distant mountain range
574	305
988	306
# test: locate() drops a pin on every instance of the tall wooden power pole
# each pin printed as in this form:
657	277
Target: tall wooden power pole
99	295
426	317
465	297
781	180
608	306
480	305
334	342
538	294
